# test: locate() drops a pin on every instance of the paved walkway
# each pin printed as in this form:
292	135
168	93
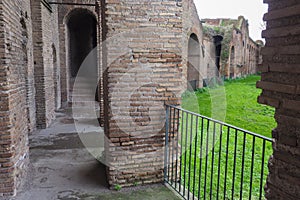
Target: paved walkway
62	169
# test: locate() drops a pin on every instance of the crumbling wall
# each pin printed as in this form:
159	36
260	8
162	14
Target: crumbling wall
209	61
280	83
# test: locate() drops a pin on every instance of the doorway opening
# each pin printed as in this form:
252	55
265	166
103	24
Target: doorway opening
193	71
82	39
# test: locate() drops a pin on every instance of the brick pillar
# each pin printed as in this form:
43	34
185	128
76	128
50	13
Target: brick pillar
144	71
43	63
281	89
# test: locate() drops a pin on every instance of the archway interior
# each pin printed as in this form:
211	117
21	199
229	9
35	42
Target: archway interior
193	71
218	43
82	39
232	61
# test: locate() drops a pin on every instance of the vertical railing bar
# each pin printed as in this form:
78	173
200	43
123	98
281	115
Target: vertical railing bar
166	143
219	164
212	161
200	160
185	149
190	155
177	144
226	164
252	167
195	156
234	163
243	166
169	151
181	137
173	146
262	169
206	158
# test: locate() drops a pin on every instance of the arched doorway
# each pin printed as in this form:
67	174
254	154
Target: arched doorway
82	39
193	69
218	43
232	61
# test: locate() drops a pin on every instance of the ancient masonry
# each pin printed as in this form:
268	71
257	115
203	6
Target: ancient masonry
280	83
237	54
146	50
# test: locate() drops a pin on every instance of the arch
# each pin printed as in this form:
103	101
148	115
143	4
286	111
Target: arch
78	11
218	43
193	68
81	25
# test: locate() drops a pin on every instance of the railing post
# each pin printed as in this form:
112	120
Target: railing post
166	144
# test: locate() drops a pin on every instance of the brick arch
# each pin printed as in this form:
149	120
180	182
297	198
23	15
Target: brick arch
64	15
74	11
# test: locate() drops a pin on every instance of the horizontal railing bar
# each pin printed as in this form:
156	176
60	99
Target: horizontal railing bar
223	123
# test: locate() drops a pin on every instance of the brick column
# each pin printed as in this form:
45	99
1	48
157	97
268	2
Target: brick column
281	89
144	71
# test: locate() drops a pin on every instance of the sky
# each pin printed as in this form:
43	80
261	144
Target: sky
253	10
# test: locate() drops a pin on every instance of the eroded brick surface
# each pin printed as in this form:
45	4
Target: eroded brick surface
280	84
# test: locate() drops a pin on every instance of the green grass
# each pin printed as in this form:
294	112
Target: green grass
210	149
242	109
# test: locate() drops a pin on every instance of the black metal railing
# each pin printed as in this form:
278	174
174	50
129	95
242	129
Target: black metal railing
209	159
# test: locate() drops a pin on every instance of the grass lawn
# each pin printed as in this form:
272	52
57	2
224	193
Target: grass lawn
242	109
218	162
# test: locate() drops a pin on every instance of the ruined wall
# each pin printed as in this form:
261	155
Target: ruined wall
280	83
144	60
209	61
16	73
192	25
240	54
245	61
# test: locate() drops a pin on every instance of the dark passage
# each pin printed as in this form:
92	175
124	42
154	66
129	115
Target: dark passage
218	43
82	38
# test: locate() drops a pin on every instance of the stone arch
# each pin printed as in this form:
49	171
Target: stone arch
193	68
81	39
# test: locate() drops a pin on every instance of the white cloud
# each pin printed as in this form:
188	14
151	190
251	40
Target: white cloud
253	10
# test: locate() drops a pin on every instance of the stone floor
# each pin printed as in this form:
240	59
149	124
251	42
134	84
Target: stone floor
62	168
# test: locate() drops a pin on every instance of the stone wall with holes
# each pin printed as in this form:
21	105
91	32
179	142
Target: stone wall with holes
280	83
16	92
144	71
45	43
192	25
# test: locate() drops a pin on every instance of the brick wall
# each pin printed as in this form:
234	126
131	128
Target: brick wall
16	73
209	61
280	84
144	59
44	41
